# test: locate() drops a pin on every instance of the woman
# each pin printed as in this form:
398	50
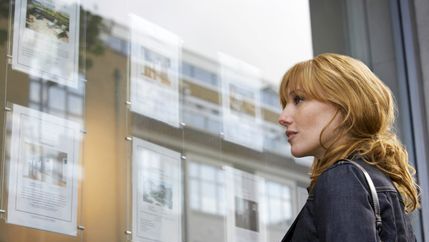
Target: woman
335	108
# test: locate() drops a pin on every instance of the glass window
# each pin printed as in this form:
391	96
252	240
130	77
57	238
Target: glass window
278	202
116	74
207	188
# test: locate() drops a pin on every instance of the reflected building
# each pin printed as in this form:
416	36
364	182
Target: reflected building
202	94
221	189
52	98
202	112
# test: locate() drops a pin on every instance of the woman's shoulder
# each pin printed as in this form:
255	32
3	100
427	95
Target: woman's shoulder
346	172
339	175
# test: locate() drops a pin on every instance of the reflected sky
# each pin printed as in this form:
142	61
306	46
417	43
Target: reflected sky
269	35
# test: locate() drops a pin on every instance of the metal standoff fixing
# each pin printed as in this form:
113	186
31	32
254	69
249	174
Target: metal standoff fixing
2	211
9	56
222	134
80	227
7	109
127	232
128	102
183	157
128	138
83	131
183	124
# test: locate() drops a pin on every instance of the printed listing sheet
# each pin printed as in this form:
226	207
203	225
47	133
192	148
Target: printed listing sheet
154	63
245	214
43	172
46	40
240	103
156	207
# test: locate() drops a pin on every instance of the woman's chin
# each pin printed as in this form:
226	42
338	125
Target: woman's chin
297	154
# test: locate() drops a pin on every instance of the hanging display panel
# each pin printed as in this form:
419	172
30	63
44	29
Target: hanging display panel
157	191
240	103
43	171
154	71
46	39
245	214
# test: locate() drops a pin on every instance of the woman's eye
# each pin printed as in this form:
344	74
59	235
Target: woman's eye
298	99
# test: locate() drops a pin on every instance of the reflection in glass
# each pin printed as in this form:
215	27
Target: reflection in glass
208	198
207	188
75	105
201	96
199	74
208	172
201	89
35	90
56	98
279	203
62	101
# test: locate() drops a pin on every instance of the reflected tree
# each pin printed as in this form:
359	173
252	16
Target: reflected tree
91	25
4	12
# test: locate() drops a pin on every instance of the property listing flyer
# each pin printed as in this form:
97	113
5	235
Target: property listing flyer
46	40
156	196
154	71
244	218
240	103
43	177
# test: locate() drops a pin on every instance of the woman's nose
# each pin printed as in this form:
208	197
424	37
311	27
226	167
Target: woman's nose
285	118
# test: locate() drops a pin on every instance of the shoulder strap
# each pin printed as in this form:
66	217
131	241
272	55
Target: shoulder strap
373	192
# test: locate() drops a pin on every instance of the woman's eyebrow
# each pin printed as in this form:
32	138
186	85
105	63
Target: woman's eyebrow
295	92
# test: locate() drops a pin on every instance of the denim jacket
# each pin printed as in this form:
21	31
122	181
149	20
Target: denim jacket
339	209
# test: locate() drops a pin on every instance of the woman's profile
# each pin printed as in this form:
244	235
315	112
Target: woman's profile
335	108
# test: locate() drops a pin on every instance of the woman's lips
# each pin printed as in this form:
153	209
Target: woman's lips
290	135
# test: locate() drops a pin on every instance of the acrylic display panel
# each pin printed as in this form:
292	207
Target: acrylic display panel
46	39
154	71
43	171
245	207
241	112
157	193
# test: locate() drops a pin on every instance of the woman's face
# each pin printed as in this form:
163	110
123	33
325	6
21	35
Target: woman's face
304	120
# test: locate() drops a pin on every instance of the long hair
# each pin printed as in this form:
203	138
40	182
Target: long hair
367	112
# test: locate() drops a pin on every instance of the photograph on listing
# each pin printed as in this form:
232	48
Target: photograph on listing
46	40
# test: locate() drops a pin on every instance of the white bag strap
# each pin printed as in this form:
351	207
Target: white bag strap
373	192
